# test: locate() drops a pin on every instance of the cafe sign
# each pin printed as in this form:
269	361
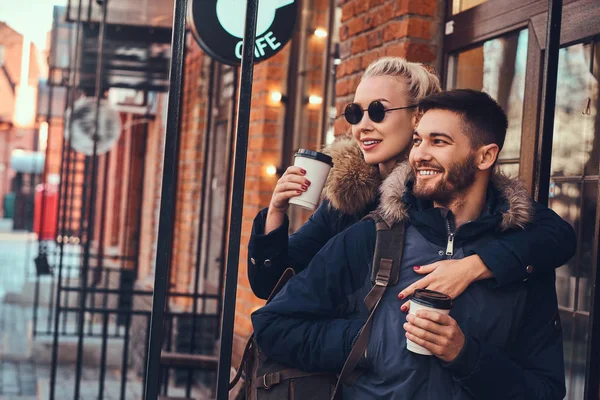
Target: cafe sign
218	27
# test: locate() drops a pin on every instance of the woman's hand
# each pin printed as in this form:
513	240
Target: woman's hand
291	184
451	277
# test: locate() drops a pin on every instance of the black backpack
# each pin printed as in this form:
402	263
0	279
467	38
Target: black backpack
266	379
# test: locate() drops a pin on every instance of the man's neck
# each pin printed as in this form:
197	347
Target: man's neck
468	205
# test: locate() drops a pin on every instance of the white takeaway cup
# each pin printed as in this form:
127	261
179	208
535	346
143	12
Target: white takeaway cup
424	299
317	166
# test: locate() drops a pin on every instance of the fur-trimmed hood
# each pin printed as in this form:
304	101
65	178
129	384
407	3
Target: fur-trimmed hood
353	185
517	215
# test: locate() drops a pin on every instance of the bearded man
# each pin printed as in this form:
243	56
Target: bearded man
496	343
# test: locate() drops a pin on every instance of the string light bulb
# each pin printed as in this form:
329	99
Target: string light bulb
271	170
320	32
315	100
276	96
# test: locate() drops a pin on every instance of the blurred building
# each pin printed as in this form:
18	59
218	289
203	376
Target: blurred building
20	71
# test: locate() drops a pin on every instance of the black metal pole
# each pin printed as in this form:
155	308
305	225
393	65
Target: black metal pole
227	210
592	372
327	74
237	200
548	99
164	247
66	150
92	206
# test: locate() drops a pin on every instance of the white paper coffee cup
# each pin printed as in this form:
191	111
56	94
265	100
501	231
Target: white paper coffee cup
317	166
424	299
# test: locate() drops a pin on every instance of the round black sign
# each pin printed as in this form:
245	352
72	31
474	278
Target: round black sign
218	27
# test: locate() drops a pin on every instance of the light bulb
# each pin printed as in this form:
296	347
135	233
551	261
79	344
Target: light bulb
320	32
271	170
315	100
276	97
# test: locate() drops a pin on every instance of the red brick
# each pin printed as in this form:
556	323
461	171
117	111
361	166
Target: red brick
421	52
375	38
348	11
353	64
368	58
396	49
374	19
387	12
360	6
343	32
359	44
342	87
395	30
356	25
375	3
427	8
419	28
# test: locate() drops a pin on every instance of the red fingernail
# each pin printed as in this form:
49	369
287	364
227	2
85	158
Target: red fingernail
299	191
400	296
307	183
416	267
304	187
403	308
303	171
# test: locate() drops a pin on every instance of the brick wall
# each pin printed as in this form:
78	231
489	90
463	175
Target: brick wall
375	28
191	163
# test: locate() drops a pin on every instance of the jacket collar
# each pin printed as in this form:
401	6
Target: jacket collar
506	197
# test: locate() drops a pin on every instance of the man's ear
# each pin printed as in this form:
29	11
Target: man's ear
487	156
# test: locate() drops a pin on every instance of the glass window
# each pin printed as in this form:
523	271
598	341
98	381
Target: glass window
574	196
462	5
498	68
576	101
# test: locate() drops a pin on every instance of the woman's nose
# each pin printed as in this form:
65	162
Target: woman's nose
365	124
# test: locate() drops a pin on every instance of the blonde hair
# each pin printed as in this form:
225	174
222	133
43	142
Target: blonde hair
420	79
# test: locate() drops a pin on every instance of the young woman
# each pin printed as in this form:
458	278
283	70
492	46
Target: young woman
383	118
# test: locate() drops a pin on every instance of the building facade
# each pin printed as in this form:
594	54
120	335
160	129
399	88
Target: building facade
298	97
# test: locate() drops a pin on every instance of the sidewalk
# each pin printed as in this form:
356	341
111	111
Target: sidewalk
17	370
21	376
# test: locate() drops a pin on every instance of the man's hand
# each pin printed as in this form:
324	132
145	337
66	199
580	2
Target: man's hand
438	333
451	277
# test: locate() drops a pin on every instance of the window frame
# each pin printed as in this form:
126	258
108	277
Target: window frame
495	18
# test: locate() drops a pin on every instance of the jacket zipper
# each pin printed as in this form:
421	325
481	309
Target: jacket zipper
450	245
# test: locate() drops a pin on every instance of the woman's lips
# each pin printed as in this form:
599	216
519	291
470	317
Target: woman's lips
370	144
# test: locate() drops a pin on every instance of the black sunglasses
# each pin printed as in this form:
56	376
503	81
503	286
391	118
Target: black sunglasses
376	110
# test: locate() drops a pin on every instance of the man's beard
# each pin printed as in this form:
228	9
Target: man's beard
460	176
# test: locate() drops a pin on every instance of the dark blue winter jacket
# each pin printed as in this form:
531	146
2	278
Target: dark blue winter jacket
513	347
351	193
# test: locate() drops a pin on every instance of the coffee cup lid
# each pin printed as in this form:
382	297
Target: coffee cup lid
315	155
433	299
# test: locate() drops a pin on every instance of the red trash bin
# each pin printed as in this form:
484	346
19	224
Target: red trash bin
50	213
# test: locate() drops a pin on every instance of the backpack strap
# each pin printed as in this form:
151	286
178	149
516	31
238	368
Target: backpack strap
286	276
389	247
274	378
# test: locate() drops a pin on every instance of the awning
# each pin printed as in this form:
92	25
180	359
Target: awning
29	162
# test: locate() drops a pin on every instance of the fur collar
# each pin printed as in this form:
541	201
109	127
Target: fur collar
519	213
352	184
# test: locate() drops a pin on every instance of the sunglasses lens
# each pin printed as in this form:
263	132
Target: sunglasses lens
353	113
376	111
